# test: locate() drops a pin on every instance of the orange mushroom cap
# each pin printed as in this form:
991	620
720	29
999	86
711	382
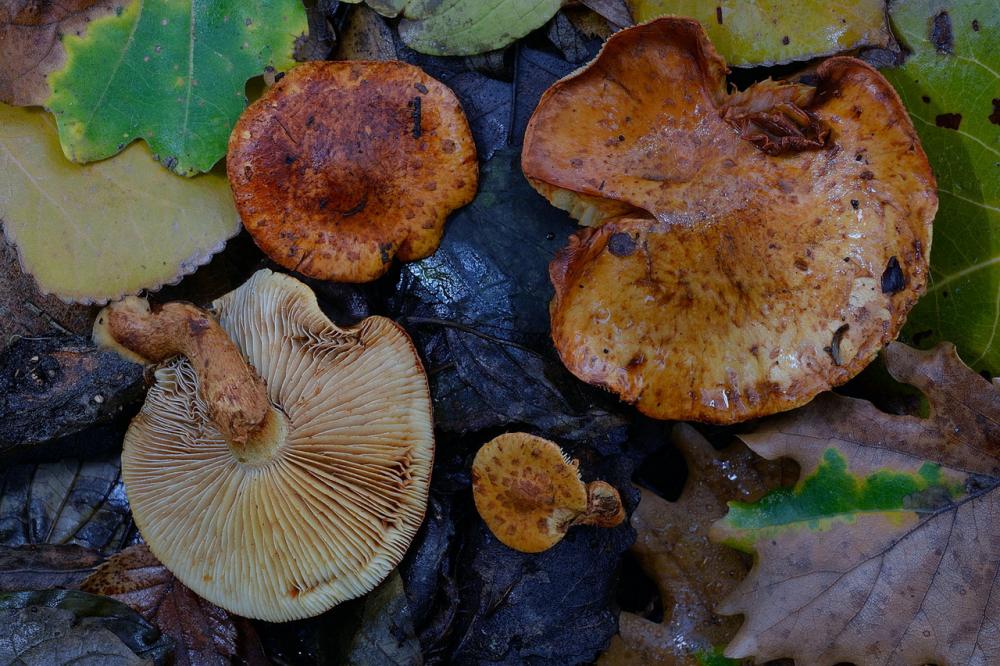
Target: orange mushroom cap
769	242
530	493
341	166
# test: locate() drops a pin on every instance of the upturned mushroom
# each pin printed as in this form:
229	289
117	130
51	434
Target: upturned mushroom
747	250
340	166
529	493
280	464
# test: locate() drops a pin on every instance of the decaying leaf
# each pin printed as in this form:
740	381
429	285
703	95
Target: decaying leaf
770	32
30	43
615	12
950	87
202	632
389	8
25	311
46	566
465	27
170	73
748	272
478	311
93	233
692	575
69	627
366	36
385	636
54	387
886	550
66	502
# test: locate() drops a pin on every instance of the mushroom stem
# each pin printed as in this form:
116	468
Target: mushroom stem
604	506
235	394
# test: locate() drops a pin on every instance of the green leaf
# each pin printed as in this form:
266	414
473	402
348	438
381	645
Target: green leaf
768	32
952	91
466	27
171	73
93	233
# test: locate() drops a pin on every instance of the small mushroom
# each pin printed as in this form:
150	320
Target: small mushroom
734	265
530	493
280	464
340	166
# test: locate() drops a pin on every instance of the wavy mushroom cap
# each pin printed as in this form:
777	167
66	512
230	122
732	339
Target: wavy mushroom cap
341	166
527	491
334	507
771	241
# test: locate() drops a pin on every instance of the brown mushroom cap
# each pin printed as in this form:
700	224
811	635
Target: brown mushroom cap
529	493
330	503
342	165
773	240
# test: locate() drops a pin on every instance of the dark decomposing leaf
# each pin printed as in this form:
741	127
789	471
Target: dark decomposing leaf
386	635
554	607
66	502
25	311
202	632
478	311
54	387
570	41
35	567
69	627
319	41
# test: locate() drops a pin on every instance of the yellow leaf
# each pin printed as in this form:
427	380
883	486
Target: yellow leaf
93	233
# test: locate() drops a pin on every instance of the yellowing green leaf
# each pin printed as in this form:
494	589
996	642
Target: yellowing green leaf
885	551
951	86
388	8
465	27
93	233
767	32
171	72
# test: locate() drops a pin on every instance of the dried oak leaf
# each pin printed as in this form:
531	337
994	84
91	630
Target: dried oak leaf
692	574
747	274
30	43
887	550
203	632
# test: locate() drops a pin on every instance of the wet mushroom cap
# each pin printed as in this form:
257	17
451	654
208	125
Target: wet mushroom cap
527	491
770	242
341	166
332	506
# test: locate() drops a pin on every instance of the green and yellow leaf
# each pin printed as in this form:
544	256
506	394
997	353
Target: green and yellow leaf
169	72
95	232
769	32
887	549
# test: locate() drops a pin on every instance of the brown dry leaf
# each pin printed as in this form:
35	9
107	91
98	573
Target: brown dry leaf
692	574
203	632
30	48
887	550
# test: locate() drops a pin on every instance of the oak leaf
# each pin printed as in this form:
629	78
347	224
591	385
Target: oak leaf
887	550
203	632
691	574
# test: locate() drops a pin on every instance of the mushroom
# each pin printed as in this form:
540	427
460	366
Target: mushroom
530	493
748	251
280	464
342	165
